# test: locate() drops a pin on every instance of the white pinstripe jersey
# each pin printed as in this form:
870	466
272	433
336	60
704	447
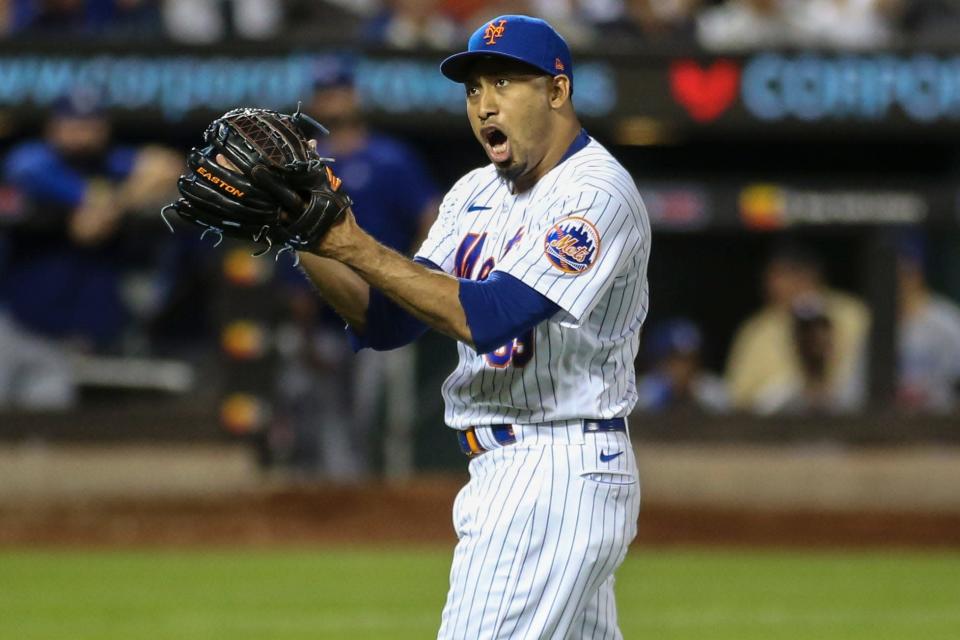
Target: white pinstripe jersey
580	237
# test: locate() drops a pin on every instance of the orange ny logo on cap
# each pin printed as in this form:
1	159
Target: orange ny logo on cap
558	64
493	32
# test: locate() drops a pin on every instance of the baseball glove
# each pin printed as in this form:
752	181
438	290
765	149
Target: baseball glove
281	191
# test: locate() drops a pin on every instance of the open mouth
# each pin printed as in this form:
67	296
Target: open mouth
496	143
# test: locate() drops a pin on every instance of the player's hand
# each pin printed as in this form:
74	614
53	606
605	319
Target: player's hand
258	177
224	162
342	232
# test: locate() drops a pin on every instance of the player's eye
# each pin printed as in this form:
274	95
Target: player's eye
473	90
502	82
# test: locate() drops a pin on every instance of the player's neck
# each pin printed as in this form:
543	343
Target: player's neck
564	137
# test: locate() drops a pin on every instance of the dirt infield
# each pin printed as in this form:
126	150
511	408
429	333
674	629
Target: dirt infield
420	513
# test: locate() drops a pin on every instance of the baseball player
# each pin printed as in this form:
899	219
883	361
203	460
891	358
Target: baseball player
537	266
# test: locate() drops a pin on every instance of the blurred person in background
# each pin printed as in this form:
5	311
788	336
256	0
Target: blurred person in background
34	375
575	20
739	25
616	22
58	18
669	20
929	336
63	275
929	21
338	394
468	13
677	380
768	354
845	24
751	24
411	24
811	391
588	22
206	21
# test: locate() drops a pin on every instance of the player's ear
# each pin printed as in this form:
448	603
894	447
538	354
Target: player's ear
559	91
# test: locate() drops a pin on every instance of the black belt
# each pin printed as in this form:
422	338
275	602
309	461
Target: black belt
504	435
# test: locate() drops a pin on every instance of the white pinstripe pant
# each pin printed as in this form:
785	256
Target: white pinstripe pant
543	524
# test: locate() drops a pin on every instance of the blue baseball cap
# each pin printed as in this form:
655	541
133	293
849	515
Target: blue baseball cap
514	37
79	102
333	71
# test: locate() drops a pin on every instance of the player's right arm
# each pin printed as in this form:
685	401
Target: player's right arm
340	287
373	322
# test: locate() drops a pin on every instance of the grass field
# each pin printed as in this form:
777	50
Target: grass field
397	595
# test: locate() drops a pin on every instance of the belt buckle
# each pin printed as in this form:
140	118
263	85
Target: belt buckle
607	425
591	426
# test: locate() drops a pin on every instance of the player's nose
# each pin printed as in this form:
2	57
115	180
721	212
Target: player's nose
488	104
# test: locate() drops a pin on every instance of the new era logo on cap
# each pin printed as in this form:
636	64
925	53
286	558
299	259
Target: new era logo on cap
514	37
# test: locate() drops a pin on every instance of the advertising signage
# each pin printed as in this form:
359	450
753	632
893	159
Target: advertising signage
921	89
684	94
176	85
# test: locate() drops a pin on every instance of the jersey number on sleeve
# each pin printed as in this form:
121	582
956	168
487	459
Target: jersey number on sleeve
519	351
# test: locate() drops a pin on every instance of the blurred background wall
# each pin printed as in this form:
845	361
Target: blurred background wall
799	161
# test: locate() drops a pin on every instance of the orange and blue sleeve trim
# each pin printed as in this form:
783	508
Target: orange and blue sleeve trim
500	308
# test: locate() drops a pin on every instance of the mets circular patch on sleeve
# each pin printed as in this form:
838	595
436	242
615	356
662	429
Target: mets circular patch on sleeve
572	245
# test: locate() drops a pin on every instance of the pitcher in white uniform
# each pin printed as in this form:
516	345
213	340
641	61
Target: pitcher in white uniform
537	267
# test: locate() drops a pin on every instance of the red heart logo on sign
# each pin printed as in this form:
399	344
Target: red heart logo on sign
704	93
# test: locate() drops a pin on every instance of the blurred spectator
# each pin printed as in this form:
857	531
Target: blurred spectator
725	25
338	394
814	343
62	278
34	375
206	21
846	24
751	24
664	19
81	17
576	20
677	380
738	25
409	24
929	337
469	13
616	22
806	334
588	22
929	20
